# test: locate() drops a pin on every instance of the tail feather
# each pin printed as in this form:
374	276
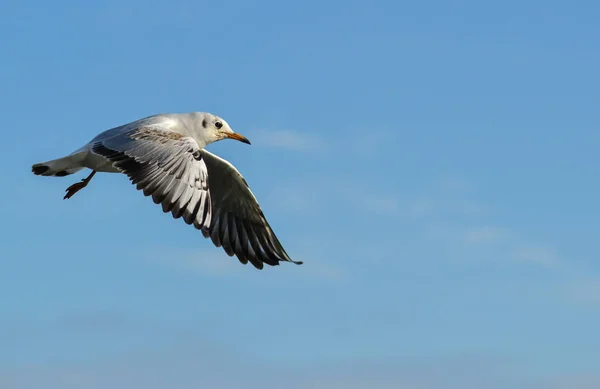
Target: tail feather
57	167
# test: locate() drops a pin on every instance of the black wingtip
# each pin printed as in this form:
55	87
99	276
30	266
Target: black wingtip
61	173
38	170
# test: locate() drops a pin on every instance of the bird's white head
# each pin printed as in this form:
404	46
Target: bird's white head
212	128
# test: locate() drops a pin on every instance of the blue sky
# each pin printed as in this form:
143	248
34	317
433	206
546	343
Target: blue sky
435	164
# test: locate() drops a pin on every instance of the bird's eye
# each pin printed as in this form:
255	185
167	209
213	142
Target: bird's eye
218	125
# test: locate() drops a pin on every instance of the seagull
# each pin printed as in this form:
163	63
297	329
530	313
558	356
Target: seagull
164	156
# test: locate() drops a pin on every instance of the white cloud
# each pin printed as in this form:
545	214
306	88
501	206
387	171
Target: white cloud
336	192
450	203
544	256
444	211
448	196
484	235
583	290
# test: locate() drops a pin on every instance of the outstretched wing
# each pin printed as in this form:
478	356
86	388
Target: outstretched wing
166	165
238	224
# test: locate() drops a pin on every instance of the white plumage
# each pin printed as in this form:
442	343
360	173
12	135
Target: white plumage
164	156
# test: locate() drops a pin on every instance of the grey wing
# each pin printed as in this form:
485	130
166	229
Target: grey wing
238	224
166	165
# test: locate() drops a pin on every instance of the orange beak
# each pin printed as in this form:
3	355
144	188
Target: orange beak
239	137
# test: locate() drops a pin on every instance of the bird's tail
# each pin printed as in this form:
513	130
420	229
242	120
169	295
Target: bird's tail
58	167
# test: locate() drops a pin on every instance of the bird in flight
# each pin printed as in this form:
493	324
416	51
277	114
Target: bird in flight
164	156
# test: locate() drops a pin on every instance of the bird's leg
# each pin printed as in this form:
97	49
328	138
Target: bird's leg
76	187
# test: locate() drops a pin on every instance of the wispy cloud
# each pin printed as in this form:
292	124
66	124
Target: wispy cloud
216	264
453	202
448	196
449	209
544	256
582	290
473	233
334	192
508	244
288	139
485	235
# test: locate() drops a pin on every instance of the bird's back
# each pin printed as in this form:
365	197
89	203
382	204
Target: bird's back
116	131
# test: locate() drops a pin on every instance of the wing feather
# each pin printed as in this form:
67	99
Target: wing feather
165	165
193	184
238	223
